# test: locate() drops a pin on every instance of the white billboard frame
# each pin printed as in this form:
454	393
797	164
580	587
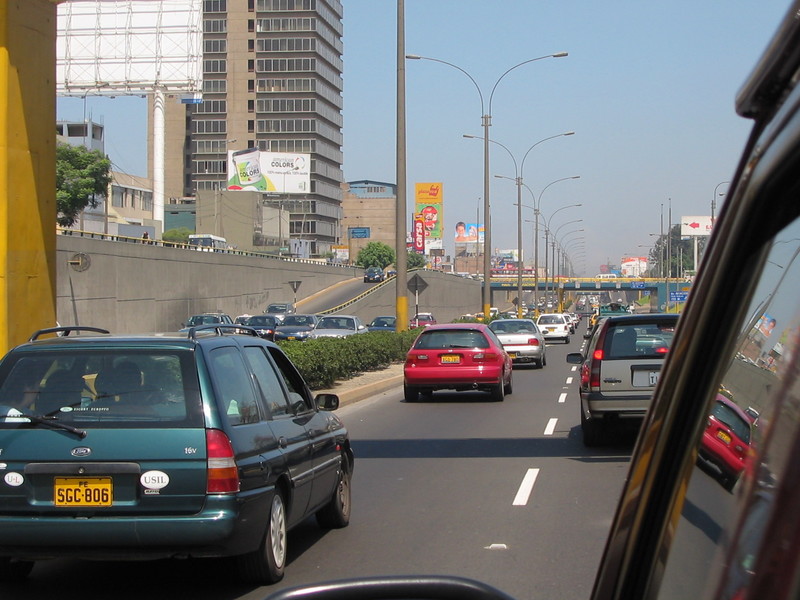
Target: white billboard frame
113	47
132	47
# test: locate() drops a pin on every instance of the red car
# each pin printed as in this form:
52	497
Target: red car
422	320
457	356
726	440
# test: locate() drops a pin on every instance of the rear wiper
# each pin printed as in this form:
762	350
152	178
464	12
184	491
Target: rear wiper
51	422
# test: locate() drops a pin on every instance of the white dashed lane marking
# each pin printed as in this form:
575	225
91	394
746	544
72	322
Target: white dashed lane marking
551	427
526	487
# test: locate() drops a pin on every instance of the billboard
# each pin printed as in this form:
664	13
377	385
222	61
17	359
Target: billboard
633	266
468	232
428	203
278	172
129	46
696	226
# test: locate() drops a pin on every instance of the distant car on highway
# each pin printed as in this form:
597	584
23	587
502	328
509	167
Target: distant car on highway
424	319
280	309
338	326
374	274
264	325
296	327
209	318
387	323
554	326
522	340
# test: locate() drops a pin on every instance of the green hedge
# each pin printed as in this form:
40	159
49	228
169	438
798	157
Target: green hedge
324	361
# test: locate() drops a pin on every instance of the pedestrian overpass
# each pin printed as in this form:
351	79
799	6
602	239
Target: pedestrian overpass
664	293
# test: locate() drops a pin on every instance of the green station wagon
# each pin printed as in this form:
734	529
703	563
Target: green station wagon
203	444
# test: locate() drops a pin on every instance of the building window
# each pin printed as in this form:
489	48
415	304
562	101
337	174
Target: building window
215	6
215	66
215	46
215	26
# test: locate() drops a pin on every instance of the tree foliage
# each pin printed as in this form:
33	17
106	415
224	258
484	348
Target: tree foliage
375	254
681	254
179	235
416	261
82	177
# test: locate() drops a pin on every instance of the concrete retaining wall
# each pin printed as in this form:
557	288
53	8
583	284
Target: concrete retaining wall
132	287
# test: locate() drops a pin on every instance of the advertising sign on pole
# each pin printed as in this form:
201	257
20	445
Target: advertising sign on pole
428	203
696	226
419	234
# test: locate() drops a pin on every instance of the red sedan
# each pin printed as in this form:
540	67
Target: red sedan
457	356
726	440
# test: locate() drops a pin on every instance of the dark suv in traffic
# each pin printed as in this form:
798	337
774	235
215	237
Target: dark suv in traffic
205	444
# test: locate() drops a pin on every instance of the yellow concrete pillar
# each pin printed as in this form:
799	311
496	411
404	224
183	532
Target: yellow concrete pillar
27	169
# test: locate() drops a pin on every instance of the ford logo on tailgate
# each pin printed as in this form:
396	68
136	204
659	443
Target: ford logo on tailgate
81	451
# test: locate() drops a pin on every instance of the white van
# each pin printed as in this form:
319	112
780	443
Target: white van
606	276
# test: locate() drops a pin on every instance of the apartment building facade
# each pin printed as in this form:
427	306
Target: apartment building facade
273	81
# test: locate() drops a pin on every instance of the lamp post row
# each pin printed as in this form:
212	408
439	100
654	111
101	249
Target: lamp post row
486	121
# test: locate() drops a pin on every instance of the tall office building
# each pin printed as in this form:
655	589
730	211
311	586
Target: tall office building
272	81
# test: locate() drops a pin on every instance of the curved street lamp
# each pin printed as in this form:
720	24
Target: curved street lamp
547	231
517	179
486	121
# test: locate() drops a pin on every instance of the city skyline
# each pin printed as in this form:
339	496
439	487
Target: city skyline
648	90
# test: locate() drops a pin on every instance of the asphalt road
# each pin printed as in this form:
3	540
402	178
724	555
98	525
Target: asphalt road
500	492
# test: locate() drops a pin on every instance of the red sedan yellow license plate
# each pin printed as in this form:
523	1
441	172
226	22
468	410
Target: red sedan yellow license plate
83	491
724	437
451	358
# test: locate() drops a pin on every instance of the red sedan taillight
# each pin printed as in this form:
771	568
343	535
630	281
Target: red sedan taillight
485	357
222	473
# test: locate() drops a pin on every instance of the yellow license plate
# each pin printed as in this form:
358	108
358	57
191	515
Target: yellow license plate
451	358
512	355
724	437
83	491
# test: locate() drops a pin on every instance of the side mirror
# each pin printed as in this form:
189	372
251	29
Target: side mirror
327	401
575	358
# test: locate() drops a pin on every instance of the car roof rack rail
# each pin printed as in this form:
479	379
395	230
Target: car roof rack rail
221	329
65	331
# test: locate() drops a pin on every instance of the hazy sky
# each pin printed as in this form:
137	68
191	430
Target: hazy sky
648	88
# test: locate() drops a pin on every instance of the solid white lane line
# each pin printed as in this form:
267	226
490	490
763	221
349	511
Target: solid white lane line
551	427
525	488
562	398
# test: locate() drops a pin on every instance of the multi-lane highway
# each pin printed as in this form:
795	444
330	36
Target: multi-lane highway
500	492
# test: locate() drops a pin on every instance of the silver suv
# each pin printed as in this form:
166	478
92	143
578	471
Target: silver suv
620	370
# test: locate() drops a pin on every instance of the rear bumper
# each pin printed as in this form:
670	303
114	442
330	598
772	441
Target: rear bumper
449	378
598	406
227	526
521	354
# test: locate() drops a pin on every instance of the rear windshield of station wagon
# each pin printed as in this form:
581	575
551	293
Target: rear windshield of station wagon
130	388
638	341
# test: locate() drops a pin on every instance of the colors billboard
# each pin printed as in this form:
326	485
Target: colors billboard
282	173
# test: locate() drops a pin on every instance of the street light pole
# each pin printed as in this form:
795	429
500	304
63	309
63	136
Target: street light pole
518	171
546	233
486	121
